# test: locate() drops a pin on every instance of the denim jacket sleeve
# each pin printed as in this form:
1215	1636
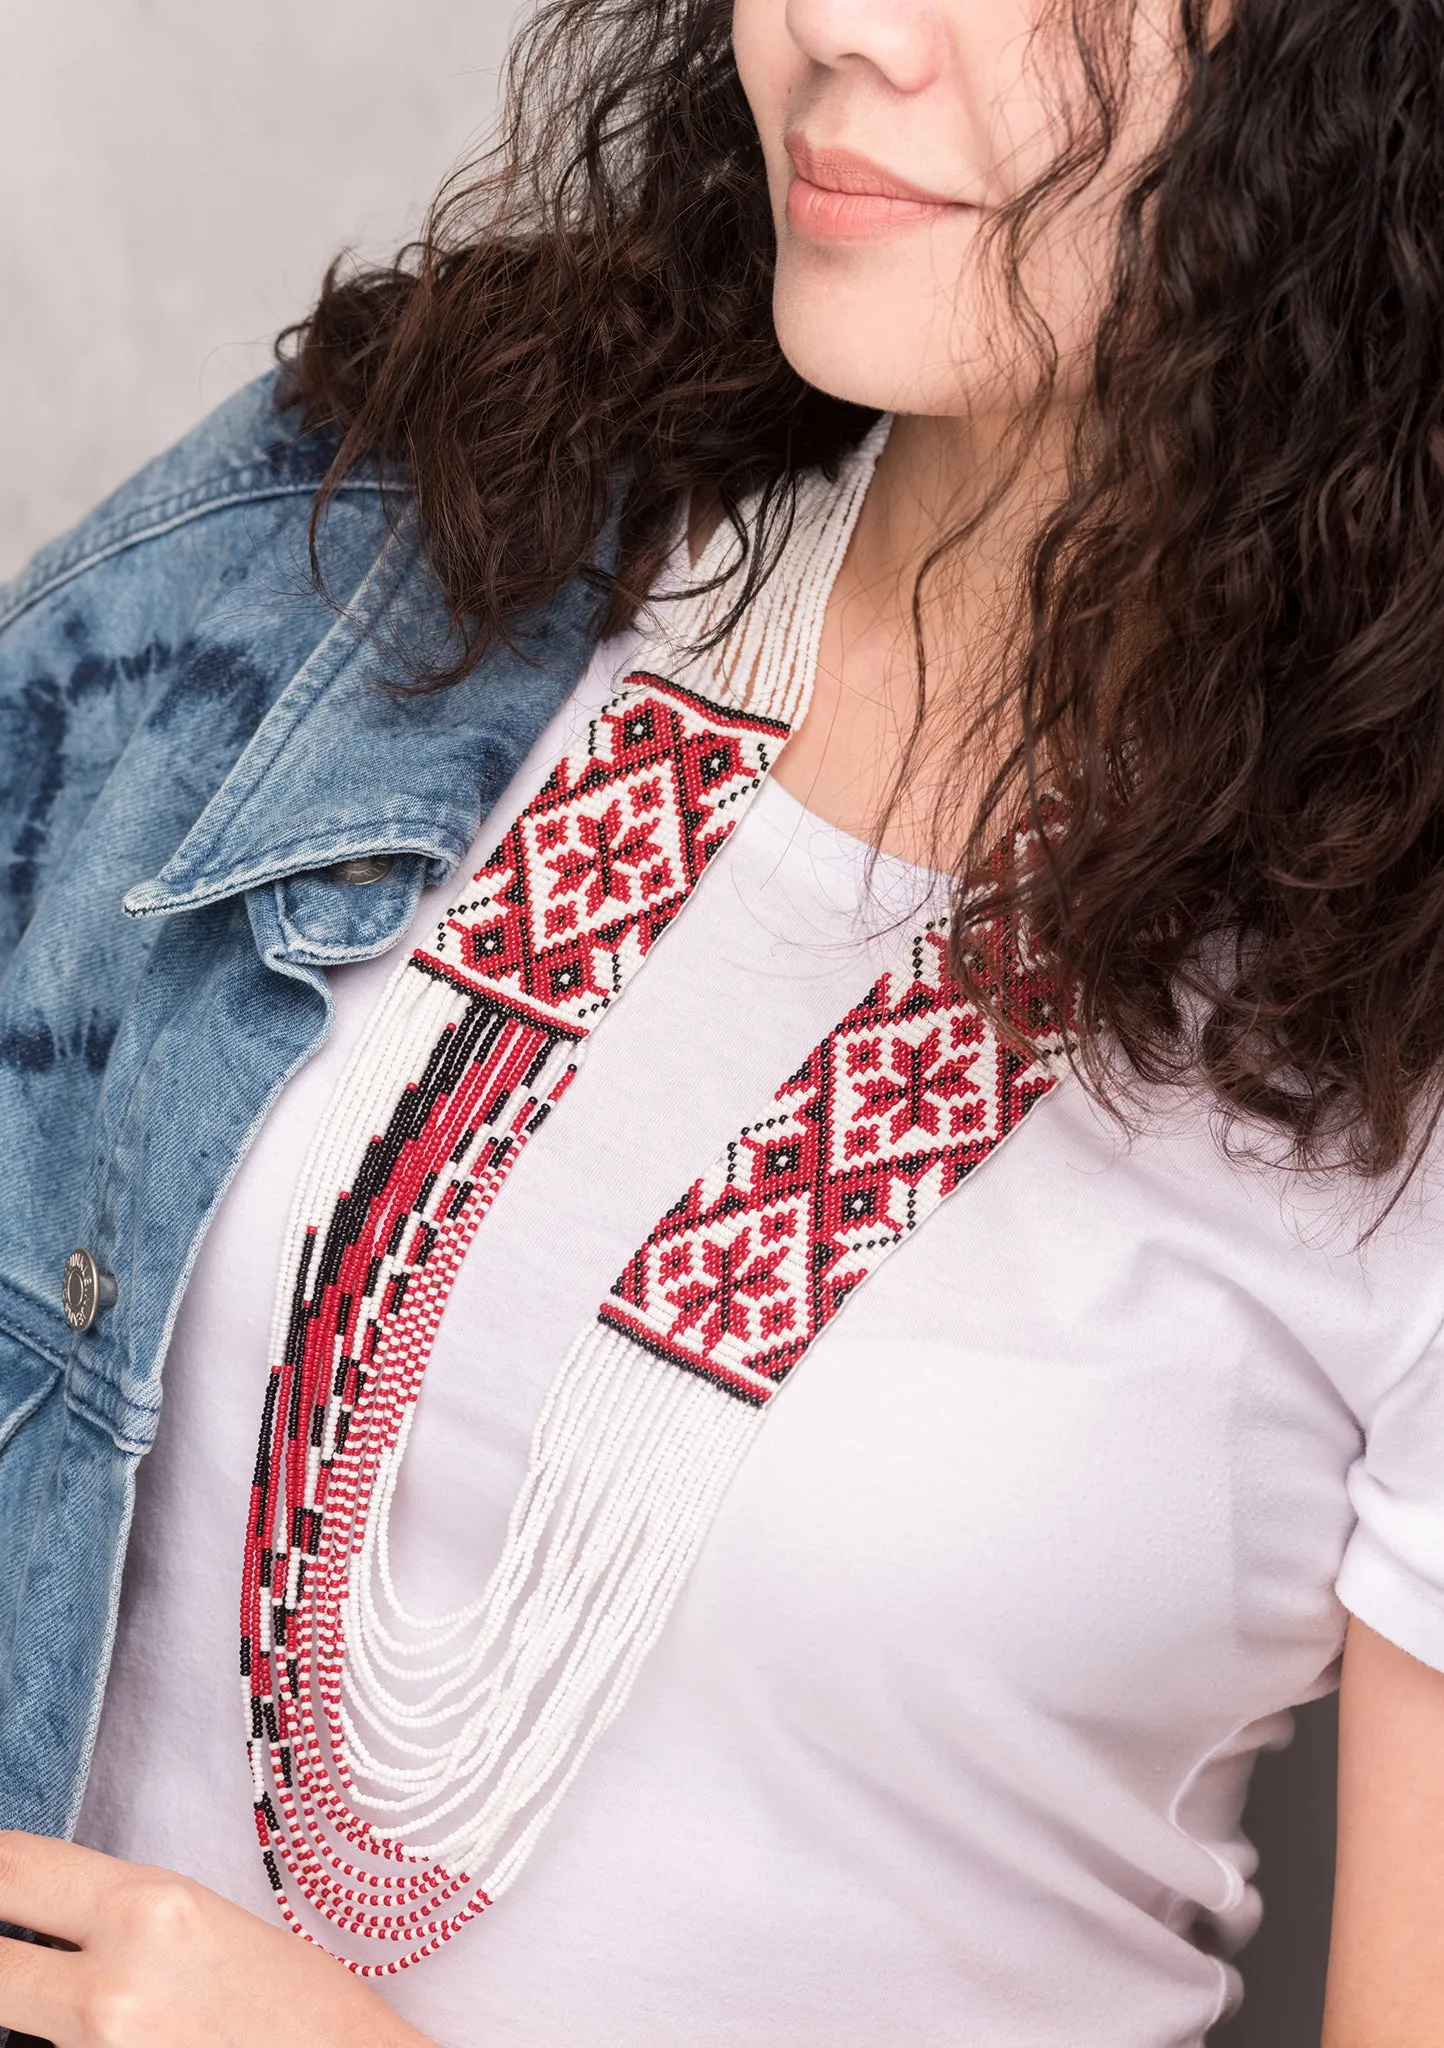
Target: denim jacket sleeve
191	737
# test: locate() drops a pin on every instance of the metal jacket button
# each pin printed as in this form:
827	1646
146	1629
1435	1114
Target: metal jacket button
364	868
85	1290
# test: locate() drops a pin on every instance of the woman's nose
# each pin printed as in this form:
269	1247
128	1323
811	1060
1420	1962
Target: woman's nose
903	40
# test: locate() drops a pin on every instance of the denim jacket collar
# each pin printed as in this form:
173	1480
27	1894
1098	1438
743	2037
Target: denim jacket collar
344	765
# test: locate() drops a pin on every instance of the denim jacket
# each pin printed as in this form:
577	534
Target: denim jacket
194	741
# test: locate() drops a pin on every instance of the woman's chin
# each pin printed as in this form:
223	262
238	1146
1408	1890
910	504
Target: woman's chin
834	338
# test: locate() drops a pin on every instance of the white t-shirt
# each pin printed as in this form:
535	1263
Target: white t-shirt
947	1739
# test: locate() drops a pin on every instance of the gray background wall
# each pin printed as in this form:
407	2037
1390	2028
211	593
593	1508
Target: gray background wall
174	174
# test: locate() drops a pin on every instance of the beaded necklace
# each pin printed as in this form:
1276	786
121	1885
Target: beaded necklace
404	1765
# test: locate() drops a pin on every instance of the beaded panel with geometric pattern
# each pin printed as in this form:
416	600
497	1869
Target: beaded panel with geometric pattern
605	855
880	1123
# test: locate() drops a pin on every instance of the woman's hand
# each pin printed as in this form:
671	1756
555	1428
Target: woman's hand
154	1961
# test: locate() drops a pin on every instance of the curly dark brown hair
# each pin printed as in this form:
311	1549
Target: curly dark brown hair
1228	660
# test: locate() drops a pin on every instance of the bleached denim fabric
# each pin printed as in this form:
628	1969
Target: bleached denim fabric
191	736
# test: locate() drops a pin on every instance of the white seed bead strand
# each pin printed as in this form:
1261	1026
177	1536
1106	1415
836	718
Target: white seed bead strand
433	1748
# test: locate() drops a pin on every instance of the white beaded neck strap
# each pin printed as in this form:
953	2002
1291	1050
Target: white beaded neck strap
404	1765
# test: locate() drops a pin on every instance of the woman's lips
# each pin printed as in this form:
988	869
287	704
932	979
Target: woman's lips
836	195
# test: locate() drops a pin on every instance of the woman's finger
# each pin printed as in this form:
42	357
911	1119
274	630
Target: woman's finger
36	1994
52	1887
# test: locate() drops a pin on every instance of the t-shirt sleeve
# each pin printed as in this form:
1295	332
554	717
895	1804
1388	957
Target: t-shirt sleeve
1392	1576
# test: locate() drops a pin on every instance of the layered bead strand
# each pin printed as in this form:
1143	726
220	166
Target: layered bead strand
403	1766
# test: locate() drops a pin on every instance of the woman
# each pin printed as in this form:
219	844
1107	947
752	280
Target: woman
1026	434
